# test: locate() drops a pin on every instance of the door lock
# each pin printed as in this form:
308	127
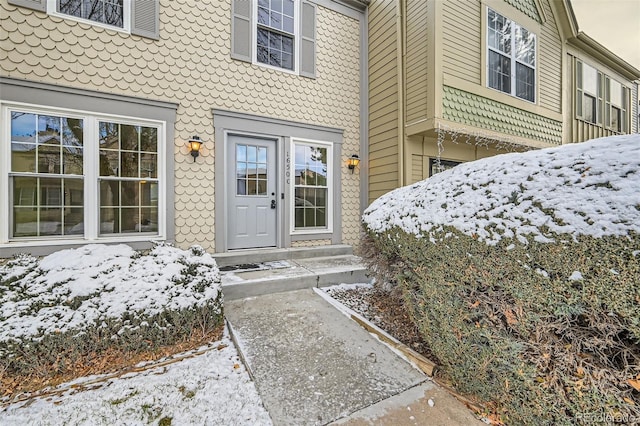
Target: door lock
273	204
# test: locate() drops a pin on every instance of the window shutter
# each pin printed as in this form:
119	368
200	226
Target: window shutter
578	89
40	5
241	40
308	40
144	18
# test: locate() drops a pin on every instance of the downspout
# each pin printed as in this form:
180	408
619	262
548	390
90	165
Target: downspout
400	67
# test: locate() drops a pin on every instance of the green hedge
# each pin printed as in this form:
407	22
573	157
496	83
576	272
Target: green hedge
513	326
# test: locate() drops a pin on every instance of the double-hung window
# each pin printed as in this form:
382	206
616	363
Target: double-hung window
312	186
511	57
108	12
275	33
76	175
616	105
279	34
139	17
589	93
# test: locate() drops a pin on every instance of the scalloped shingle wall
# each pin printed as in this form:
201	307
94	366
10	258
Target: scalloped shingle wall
191	65
468	108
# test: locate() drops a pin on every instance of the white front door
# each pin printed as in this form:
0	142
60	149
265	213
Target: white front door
252	202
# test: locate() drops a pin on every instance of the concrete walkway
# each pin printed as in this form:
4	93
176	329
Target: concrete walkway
312	366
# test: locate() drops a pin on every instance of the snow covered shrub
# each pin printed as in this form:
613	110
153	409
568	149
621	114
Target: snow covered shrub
77	303
522	274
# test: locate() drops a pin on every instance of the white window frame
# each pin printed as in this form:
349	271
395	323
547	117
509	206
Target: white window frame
330	183
296	39
512	57
52	9
90	176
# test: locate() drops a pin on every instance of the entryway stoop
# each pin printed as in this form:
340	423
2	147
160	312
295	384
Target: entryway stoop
253	273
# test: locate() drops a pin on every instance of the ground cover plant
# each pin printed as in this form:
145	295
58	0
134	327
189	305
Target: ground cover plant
71	310
521	272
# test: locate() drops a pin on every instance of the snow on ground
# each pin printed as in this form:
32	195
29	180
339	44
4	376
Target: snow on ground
212	389
590	188
107	280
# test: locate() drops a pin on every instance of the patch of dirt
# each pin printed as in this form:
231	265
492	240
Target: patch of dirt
94	364
385	309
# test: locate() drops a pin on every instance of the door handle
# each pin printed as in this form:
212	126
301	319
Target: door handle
273	204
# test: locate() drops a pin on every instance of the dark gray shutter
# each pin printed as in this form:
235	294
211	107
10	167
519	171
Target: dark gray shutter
144	18
40	5
308	40
241	40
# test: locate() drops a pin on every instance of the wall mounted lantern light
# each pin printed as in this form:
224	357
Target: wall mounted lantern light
352	162
194	146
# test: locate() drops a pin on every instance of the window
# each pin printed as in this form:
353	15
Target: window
598	96
511	58
110	12
275	33
56	192
444	165
311	186
251	170
138	17
616	105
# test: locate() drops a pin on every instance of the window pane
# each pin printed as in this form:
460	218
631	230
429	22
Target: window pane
149	139
109	220
589	79
148	165
109	135
104	11
129	220
129	193
109	163
616	93
129	137
263	16
23	157
288	7
525	82
48	159
525	45
51	192
499	72
129	164
148	220
589	108
615	119
499	32
109	193
73	221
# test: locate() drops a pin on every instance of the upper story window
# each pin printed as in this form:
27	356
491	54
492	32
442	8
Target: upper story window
511	58
600	97
278	34
275	33
138	17
109	12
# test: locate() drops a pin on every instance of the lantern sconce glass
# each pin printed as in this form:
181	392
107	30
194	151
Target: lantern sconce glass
352	162
194	146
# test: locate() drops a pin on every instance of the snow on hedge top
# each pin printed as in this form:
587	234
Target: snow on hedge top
590	188
74	288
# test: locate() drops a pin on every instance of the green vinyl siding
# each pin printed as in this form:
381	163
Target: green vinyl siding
528	7
473	110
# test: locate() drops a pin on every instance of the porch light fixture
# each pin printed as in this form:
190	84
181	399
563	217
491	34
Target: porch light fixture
194	146
352	162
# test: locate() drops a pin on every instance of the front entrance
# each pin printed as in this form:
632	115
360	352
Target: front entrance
252	202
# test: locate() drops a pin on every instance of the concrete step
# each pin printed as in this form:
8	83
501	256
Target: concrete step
240	257
287	275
